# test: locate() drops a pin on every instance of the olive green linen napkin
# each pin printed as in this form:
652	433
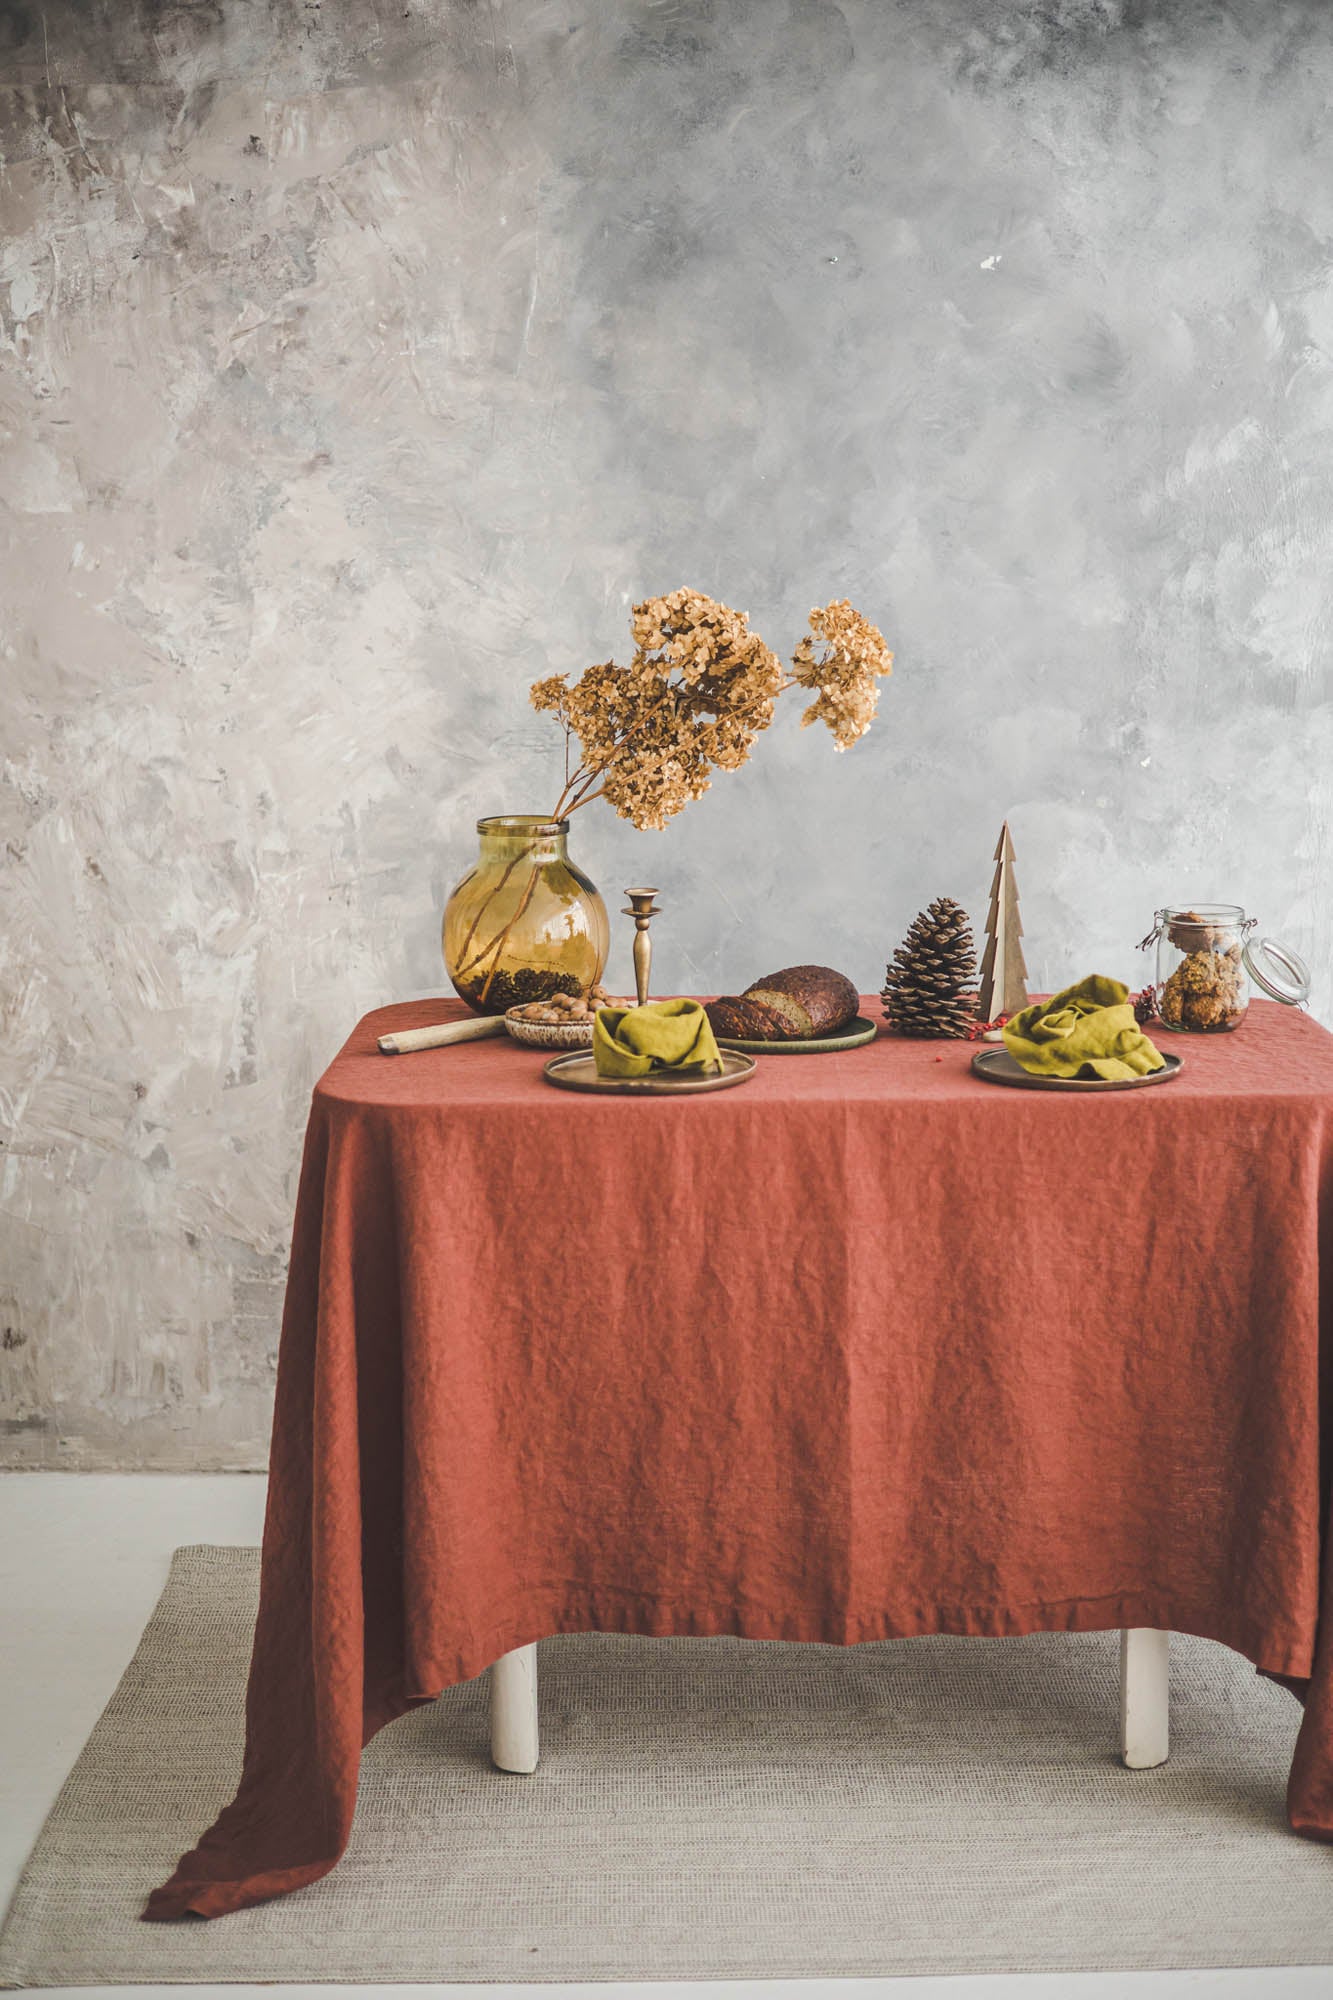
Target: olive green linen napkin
665	1034
1088	1030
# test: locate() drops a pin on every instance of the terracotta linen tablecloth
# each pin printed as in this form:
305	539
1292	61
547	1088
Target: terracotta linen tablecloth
862	1349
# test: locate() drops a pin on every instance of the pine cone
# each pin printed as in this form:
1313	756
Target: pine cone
928	989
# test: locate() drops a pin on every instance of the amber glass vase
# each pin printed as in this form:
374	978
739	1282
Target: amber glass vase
524	923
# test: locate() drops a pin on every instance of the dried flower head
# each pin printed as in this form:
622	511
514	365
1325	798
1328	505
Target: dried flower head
698	690
841	659
550	694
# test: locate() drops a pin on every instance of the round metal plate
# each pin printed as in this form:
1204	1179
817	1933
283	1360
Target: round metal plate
578	1071
853	1036
998	1066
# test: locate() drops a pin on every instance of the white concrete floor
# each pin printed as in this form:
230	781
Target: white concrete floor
83	1557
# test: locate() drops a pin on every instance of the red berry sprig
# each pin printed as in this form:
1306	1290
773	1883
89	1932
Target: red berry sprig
979	1029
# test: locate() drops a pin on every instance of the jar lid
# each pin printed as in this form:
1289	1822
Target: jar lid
1277	971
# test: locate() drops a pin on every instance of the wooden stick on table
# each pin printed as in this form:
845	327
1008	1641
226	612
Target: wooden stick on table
406	1040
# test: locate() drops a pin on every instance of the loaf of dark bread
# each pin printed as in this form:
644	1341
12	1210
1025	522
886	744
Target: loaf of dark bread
746	1020
794	1005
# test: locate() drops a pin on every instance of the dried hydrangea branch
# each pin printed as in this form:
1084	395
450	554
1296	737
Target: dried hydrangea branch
585	795
576	791
699	688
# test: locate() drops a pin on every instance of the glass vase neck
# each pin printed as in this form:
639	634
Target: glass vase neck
522	833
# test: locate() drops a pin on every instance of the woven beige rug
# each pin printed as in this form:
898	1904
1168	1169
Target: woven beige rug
704	1809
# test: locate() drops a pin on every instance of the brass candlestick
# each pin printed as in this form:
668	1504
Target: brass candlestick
642	910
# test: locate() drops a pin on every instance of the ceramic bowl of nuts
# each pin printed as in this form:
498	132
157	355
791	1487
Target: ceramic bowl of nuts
562	1022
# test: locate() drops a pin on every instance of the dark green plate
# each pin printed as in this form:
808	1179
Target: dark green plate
852	1036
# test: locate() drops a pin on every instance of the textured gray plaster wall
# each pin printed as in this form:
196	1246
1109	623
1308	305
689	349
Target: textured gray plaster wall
363	361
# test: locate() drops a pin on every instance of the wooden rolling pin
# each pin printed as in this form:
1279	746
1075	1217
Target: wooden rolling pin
408	1039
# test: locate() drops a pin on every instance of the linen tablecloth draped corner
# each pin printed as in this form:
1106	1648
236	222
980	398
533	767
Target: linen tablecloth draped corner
863	1350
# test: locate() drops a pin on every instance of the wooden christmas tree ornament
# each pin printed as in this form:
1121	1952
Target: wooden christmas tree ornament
1003	972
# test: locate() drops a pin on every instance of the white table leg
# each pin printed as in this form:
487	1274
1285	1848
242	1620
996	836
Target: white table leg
514	1710
1145	1711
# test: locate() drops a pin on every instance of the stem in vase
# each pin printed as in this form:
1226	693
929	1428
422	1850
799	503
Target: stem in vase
476	921
493	944
519	908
